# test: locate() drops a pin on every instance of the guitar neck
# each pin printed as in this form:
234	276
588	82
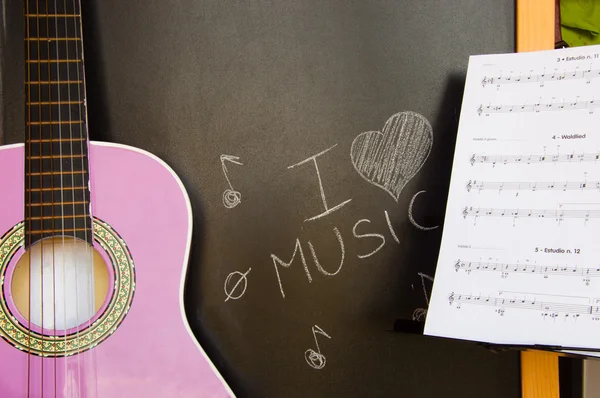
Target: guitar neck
56	144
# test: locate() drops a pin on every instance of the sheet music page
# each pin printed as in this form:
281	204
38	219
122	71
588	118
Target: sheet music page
520	255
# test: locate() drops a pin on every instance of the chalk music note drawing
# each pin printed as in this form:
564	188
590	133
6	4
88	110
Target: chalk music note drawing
231	197
420	314
504	269
539	107
554	76
315	359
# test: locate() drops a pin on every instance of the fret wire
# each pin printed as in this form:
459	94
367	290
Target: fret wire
53	230
52	39
66	169
54	189
53	111
57	87
52	15
57	173
68	180
56	156
59	48
59	61
61	68
55	103
78	202
66	195
40	218
61	122
58	140
46	222
56	82
63	209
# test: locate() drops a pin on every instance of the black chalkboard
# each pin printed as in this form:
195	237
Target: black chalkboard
259	86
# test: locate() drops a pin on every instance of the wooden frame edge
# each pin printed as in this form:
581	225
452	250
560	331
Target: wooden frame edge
535	31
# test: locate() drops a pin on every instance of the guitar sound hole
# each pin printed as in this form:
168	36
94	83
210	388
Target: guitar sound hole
75	284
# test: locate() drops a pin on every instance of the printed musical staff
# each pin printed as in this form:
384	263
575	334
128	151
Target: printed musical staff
535	158
538	107
550	309
530	213
532	186
554	76
530	269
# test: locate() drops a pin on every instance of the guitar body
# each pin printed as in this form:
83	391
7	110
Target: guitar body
138	344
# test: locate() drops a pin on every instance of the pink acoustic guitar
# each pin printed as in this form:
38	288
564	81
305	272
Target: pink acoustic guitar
94	246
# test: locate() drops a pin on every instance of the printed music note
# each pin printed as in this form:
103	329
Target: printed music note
231	197
315	359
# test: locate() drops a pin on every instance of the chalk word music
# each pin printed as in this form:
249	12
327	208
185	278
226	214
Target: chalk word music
358	231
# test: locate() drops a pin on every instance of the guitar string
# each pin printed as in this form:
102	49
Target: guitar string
88	209
53	220
62	207
73	258
28	224
91	354
41	241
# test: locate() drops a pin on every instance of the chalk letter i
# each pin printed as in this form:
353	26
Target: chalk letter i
327	209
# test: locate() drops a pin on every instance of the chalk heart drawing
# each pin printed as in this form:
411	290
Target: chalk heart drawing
390	158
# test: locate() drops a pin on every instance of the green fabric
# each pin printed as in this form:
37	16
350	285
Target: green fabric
580	22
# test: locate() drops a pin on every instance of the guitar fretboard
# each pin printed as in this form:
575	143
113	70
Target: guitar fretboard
56	162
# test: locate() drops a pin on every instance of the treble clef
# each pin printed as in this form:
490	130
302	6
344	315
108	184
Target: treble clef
465	212
451	298
469	186
457	265
480	110
484	81
472	160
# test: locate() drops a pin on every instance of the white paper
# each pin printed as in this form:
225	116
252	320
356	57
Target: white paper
520	255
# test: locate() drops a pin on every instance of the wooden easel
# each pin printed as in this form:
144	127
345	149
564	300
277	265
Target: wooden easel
535	31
